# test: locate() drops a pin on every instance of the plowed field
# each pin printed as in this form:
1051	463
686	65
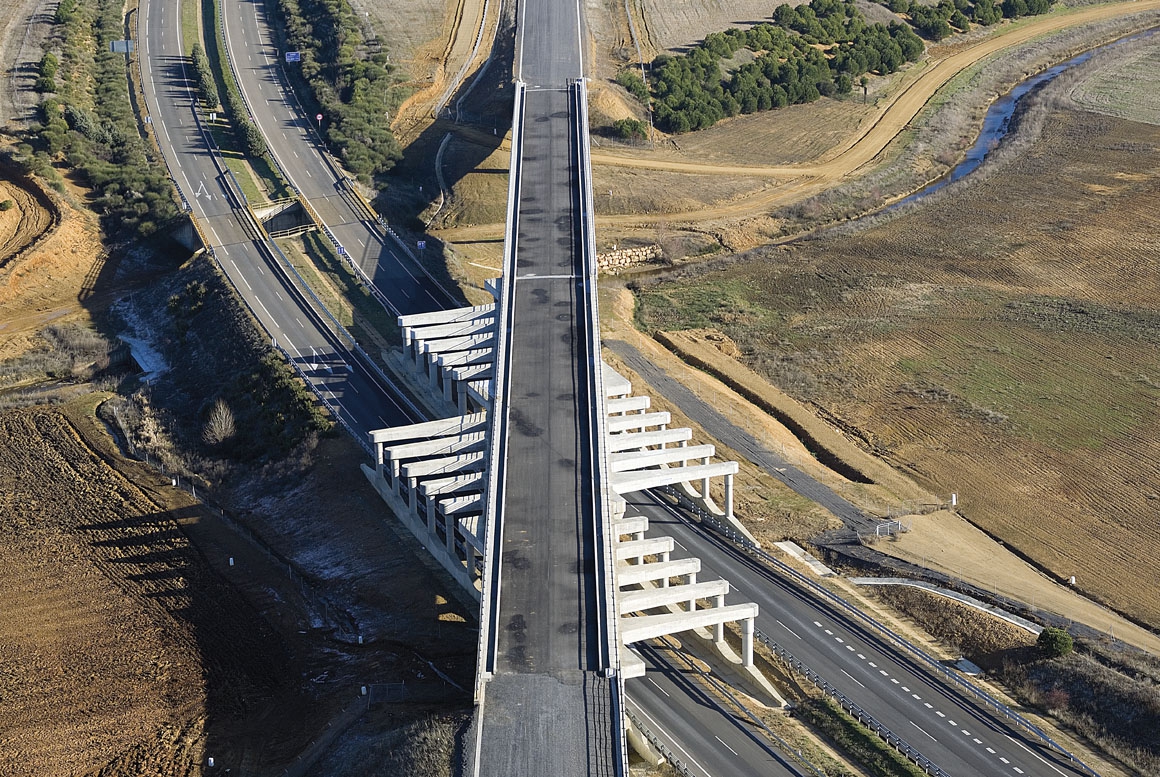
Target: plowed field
95	581
1000	343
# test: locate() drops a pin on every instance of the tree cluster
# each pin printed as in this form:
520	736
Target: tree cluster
206	85
356	95
246	133
807	52
936	22
92	124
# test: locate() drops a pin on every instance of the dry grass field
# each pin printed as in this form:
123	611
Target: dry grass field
1125	87
1000	343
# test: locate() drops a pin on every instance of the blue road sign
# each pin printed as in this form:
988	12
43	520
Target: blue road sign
293	56
422	244
342	250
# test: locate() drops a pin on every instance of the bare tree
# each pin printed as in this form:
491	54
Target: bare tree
220	426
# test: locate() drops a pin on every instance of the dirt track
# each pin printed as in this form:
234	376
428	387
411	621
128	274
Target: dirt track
848	158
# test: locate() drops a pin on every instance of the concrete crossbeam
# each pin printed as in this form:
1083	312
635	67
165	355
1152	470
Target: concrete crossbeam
461	504
640	480
648	598
637	524
642	627
474	356
638	574
638	548
626	441
437	447
638	421
445	316
469	528
444	427
451	485
442	466
471	371
627	405
615	384
442	331
623	462
448	344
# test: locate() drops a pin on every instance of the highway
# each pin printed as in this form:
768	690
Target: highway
546	645
282	309
948	728
294	144
670	702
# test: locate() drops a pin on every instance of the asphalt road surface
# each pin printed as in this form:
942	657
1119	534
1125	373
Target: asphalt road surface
961	737
280	307
675	708
293	142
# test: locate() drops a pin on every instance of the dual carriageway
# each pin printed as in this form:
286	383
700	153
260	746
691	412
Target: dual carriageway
548	649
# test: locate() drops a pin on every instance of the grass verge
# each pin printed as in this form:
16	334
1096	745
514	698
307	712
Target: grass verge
854	739
257	176
336	285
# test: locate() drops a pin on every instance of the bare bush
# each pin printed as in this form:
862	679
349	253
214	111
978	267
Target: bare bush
220	427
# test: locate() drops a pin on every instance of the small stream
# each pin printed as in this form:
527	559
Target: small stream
998	120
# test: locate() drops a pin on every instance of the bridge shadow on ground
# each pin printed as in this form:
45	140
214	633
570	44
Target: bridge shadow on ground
478	117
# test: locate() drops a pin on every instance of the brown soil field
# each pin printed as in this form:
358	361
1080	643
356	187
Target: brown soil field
131	647
97	582
1011	361
51	253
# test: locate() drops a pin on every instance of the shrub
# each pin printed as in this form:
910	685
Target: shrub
48	65
7	205
1055	643
630	129
220	426
44	84
356	95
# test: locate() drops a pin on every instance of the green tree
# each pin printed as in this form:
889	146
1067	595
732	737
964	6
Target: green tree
1055	643
630	79
630	129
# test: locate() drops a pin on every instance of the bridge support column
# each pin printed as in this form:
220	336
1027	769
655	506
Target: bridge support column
719	629
729	497
747	642
705	482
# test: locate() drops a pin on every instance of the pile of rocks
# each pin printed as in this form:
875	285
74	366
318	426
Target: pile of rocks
613	262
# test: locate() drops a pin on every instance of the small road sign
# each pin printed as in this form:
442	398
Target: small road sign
342	250
318	118
421	244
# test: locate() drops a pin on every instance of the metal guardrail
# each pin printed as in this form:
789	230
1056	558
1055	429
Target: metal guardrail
601	509
660	746
489	595
608	616
863	717
925	658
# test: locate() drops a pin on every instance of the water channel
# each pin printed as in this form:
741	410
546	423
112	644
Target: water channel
998	119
